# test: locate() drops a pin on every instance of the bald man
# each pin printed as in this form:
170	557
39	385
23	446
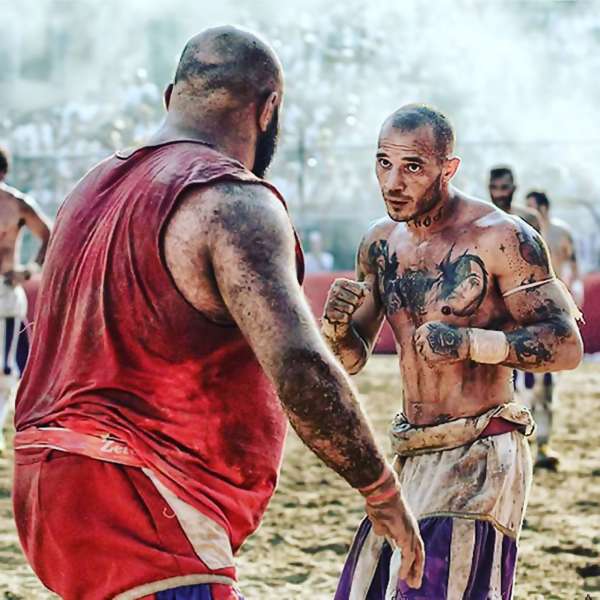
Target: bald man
17	211
173	343
470	294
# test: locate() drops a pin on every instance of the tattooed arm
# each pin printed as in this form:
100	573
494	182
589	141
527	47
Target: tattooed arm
354	314
546	337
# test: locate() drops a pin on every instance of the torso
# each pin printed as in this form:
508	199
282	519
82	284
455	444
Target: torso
445	277
11	222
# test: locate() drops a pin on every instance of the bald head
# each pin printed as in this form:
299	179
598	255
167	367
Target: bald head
228	62
412	116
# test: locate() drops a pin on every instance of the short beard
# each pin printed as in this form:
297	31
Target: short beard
504	204
431	198
266	146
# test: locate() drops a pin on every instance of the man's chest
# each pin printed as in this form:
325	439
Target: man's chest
444	280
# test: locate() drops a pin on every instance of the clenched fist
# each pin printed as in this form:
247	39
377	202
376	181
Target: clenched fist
439	343
344	298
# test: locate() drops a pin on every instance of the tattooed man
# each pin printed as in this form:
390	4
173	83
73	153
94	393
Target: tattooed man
470	294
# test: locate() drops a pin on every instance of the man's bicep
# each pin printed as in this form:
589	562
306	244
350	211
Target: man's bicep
526	279
252	251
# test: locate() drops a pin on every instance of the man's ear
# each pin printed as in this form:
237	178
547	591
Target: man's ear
167	95
267	110
450	168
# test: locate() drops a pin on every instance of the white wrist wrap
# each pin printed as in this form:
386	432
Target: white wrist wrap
488	347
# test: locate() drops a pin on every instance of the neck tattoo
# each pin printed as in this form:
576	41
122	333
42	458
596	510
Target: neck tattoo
429	219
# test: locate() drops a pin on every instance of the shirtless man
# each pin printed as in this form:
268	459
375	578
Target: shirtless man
543	390
16	211
174	336
502	189
470	295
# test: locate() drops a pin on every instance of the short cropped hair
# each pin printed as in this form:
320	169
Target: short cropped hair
540	198
498	172
413	116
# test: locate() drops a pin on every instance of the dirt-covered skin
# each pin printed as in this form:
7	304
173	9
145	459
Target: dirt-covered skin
299	550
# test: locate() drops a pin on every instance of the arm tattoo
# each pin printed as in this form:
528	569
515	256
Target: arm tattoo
532	249
528	347
445	340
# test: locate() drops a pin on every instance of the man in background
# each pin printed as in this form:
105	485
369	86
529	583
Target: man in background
502	189
17	211
542	389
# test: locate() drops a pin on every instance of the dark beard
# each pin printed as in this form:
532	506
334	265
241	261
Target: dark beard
266	146
504	203
431	197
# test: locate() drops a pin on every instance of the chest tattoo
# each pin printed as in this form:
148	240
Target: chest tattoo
456	285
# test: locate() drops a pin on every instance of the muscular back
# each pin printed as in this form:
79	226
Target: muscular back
450	276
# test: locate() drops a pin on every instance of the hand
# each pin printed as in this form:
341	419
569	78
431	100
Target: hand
392	519
17	276
344	298
441	343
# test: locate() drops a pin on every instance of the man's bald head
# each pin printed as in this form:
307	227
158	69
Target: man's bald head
412	116
228	63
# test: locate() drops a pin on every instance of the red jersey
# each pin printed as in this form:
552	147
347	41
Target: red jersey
117	349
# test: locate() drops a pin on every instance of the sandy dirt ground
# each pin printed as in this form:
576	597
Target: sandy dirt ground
299	550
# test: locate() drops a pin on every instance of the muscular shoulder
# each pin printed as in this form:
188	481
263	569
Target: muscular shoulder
512	245
15	195
242	211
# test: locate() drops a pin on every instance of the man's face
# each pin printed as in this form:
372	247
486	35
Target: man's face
266	146
502	190
409	171
531	203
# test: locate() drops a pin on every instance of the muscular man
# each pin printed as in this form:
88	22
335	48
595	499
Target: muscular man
470	294
173	342
502	188
16	212
542	389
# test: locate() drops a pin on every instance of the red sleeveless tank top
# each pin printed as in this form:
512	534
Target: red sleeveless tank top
117	350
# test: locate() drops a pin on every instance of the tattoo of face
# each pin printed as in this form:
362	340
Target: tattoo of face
444	340
532	249
460	283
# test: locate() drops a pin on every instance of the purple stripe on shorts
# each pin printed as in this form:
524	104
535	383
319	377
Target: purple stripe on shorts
478	587
345	583
509	564
200	591
437	536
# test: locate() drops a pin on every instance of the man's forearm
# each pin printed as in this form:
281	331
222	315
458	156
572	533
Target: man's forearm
548	346
350	348
553	345
323	409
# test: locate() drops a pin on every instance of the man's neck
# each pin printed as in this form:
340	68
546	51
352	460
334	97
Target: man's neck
231	141
437	218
